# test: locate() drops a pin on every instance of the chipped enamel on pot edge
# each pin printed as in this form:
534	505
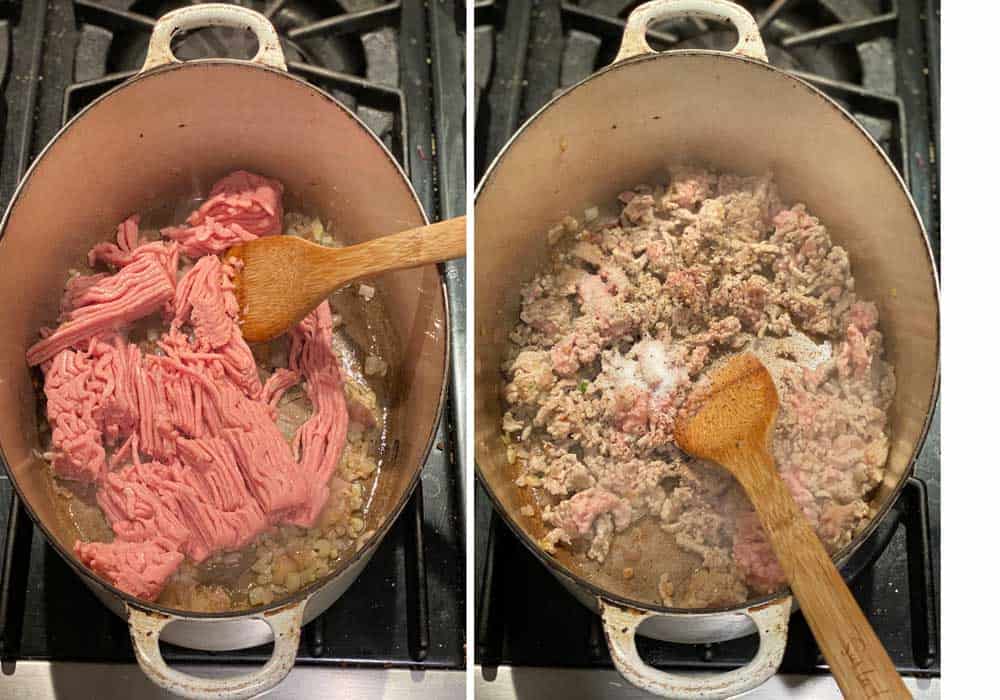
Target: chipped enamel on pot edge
749	42
184	19
621	624
285	623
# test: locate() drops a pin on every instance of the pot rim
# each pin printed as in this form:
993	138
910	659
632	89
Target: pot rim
394	512
841	557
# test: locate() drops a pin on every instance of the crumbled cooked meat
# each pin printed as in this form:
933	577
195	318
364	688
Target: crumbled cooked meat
530	377
616	334
375	366
666	590
714	588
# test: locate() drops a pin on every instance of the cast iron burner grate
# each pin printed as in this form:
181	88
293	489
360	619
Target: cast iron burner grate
377	58
878	59
352	54
527	52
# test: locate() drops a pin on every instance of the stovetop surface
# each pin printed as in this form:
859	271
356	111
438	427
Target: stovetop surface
879	60
380	59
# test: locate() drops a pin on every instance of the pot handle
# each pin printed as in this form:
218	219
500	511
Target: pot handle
620	625
145	628
634	39
213	14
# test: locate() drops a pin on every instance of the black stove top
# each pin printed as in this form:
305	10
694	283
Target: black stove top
879	59
398	66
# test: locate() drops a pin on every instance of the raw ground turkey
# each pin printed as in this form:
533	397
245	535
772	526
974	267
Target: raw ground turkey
198	471
623	323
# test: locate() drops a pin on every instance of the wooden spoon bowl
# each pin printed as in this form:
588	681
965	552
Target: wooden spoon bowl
280	279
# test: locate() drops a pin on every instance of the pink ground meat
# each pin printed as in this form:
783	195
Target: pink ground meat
140	288
241	207
617	332
181	441
137	567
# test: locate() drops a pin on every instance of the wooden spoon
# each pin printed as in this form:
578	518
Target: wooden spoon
283	278
732	426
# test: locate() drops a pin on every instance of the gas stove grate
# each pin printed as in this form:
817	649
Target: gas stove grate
388	82
377	101
872	56
527	52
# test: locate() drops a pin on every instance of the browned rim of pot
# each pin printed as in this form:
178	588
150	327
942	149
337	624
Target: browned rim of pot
391	515
841	557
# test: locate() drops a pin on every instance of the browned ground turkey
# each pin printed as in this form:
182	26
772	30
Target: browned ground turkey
623	322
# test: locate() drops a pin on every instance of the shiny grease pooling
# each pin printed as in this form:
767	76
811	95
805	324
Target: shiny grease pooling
286	558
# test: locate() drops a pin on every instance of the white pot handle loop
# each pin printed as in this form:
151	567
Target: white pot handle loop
620	626
634	39
145	628
214	14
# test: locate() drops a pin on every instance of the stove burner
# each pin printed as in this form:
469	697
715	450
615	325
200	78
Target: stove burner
127	50
799	36
841	46
836	62
350	51
376	56
869	55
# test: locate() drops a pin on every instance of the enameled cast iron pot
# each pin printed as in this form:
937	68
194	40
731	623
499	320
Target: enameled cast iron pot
623	126
171	130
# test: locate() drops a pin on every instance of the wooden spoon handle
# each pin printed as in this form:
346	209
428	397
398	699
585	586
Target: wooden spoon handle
438	242
857	658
